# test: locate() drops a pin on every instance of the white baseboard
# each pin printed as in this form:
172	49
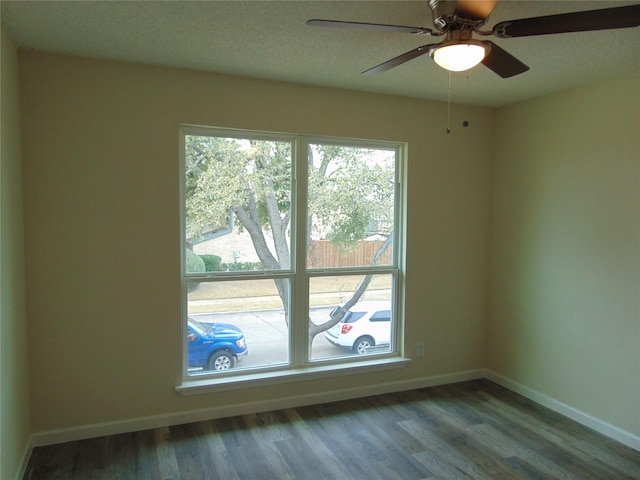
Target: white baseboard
622	436
144	423
24	462
156	421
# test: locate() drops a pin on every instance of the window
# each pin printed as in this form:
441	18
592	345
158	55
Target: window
291	250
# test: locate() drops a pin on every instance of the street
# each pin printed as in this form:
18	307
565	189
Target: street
266	334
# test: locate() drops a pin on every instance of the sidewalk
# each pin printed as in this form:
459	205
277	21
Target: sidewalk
274	302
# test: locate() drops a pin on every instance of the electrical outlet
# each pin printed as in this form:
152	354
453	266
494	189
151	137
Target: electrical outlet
420	349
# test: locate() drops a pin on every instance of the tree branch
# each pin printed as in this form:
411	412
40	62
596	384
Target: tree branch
315	329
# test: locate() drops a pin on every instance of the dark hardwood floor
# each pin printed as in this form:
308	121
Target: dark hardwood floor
474	429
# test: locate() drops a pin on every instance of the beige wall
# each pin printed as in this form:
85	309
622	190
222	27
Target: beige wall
100	159
565	279
14	387
102	236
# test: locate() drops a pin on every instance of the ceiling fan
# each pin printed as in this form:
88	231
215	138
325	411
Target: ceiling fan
458	20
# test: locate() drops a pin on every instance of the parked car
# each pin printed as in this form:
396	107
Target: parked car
215	346
365	325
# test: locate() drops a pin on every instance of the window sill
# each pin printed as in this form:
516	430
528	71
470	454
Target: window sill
314	372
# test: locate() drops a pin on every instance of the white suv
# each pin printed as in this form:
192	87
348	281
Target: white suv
365	325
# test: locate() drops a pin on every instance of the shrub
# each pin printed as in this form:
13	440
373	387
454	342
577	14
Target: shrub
194	263
242	266
212	263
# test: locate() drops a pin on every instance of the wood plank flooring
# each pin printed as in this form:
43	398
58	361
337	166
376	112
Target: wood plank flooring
469	430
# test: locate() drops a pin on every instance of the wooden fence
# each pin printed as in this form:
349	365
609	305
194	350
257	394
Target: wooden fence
325	254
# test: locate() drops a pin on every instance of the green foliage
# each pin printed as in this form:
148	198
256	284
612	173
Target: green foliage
242	266
228	174
350	192
194	263
212	263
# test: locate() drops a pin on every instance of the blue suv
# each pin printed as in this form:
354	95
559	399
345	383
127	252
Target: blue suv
215	346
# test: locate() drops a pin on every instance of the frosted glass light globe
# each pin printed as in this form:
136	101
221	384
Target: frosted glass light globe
458	57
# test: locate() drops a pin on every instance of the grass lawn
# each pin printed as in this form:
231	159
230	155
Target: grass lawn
256	294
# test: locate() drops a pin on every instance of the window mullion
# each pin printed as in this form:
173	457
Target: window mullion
299	322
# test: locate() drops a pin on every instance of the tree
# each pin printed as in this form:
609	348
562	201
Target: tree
350	191
347	195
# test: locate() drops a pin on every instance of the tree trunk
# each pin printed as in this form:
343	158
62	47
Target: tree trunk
251	222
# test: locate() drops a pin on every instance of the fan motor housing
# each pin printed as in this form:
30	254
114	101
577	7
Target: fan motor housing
447	17
443	13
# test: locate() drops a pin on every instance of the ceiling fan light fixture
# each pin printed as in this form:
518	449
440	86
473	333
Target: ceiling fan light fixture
459	56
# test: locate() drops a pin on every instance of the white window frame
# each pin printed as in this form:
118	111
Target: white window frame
300	367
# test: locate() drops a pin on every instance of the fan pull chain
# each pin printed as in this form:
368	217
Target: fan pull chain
449	106
465	123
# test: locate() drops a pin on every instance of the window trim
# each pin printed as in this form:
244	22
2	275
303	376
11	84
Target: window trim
300	366
257	378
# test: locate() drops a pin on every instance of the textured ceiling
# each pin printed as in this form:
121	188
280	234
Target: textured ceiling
269	39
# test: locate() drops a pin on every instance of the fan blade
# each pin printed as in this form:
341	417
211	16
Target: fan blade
475	9
604	19
502	62
369	26
400	59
